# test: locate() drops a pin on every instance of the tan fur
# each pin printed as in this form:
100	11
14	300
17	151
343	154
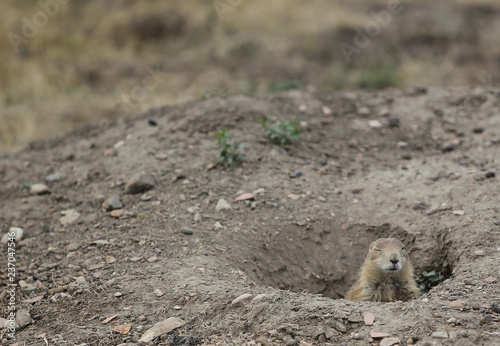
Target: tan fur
378	284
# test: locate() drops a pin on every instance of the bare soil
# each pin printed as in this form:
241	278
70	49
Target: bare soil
300	241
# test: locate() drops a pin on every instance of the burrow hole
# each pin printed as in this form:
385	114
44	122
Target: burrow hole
325	257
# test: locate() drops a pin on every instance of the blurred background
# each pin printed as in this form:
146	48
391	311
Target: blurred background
67	63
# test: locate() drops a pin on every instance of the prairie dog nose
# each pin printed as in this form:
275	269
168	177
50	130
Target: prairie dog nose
394	260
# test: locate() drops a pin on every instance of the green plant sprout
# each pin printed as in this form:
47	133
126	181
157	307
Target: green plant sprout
281	132
229	154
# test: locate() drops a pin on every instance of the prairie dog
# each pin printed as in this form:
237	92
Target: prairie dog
386	275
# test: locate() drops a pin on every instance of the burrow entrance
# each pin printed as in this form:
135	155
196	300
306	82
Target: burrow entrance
324	258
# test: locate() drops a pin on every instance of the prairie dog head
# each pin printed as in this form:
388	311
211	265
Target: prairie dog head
388	254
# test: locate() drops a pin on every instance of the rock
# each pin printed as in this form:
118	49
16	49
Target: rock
152	122
158	292
197	217
487	319
295	174
259	297
378	335
193	210
70	215
81	281
375	124
389	342
177	307
305	343
27	288
122	329
458	304
222	205
187	231
440	335
339	326
364	111
140	182
259	191
116	213
161	328
489	175
452	320
72	247
39	189
217	225
146	197
241	299
326	110
23	318
432	210
490	280
18	236
495	307
110	259
52	178
245	196
458	212
112	203
118	294
369	319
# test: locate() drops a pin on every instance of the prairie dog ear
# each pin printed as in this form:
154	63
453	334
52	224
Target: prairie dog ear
372	245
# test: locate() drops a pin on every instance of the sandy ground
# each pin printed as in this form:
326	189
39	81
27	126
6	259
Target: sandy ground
424	172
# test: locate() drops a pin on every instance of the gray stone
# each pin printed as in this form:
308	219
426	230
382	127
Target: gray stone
39	189
81	281
142	181
18	236
198	217
23	318
70	215
375	124
112	203
440	335
27	288
222	205
187	231
161	328
53	178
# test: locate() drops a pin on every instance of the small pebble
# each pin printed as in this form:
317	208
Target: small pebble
152	122
440	335
142	181
375	124
490	175
53	178
39	189
118	294
158	292
187	231
389	342
222	205
240	300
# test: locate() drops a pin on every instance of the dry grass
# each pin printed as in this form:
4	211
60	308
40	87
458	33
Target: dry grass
91	56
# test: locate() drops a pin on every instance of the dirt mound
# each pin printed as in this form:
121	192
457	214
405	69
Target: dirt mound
420	165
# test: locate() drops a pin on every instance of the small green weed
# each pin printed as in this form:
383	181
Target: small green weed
25	186
428	280
281	132
229	154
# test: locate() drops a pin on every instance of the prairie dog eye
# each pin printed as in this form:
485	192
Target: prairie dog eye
377	249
